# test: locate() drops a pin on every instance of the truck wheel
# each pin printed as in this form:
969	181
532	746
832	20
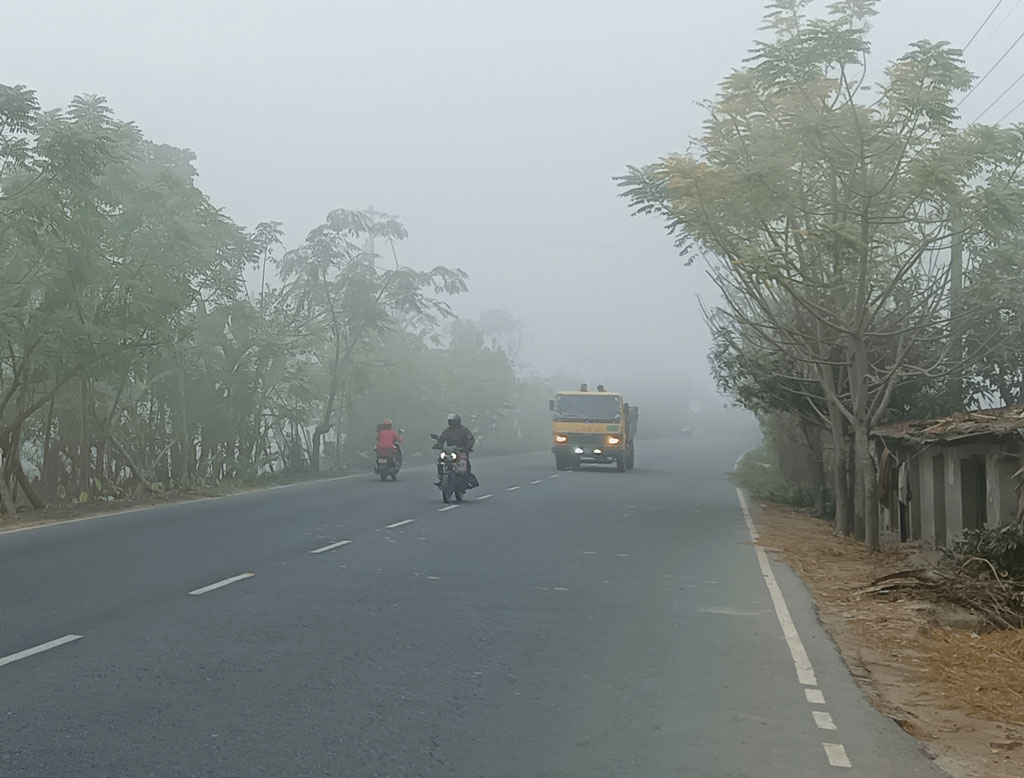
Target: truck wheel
561	462
630	459
620	464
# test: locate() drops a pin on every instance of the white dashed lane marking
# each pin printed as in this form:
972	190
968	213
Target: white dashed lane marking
534	482
447	508
815	696
399	524
330	547
10	658
513	488
221	584
553	475
823	720
484	497
836	755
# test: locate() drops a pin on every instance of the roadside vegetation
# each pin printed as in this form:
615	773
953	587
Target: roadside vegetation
865	239
149	345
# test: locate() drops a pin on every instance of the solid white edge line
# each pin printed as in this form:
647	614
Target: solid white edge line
484	497
836	755
447	508
10	658
513	488
815	696
823	720
399	524
804	669
330	546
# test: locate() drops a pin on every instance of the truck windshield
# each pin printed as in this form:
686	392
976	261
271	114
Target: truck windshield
592	408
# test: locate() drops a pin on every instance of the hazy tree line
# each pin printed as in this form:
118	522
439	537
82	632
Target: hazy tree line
138	355
867	246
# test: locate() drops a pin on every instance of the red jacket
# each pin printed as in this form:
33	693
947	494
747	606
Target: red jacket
388	439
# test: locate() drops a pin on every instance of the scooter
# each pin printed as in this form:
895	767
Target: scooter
388	462
454	471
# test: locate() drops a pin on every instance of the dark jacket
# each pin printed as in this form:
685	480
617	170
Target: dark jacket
459	436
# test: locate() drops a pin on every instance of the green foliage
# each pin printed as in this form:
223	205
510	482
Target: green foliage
133	357
825	204
1000	547
759	475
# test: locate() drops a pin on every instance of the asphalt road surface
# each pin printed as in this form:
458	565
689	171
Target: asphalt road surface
555	625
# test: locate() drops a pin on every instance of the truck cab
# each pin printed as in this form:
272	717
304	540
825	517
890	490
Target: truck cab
595	427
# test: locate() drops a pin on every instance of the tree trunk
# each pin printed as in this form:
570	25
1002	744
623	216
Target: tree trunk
840	472
84	452
6	499
31	494
812	437
314	450
866	489
184	439
871	512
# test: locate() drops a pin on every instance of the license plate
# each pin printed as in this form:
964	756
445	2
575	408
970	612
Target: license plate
382	461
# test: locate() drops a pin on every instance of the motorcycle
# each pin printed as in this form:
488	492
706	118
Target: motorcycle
388	462
453	468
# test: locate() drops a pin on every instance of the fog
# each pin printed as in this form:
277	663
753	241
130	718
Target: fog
492	129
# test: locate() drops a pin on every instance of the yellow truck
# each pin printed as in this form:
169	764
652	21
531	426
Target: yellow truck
596	427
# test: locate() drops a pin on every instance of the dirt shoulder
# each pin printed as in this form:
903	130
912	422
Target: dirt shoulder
960	693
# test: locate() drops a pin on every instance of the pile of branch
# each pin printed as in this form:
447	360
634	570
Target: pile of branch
973	584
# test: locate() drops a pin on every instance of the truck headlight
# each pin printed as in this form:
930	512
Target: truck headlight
561	438
613	441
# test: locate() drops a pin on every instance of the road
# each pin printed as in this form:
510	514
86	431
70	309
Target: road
572	625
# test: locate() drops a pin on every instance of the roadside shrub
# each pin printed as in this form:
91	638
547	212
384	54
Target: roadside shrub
1002	547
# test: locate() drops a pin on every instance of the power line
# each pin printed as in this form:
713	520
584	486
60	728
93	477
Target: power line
1005	92
977	32
991	69
991	35
1012	110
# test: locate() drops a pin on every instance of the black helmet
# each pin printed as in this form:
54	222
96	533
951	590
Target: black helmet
454	419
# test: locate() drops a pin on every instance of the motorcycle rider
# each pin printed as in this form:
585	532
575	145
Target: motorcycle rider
388	440
455	434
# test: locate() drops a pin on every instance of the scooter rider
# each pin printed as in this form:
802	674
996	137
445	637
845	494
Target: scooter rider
455	434
387	441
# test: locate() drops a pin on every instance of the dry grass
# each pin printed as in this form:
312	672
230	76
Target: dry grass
961	692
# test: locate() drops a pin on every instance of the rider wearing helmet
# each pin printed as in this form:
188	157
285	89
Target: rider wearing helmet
388	440
455	434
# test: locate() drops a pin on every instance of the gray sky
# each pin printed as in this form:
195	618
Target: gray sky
492	129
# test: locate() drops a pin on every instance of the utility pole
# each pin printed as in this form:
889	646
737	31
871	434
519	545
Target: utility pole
956	288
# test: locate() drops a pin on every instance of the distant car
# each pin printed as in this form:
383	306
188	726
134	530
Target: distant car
686	432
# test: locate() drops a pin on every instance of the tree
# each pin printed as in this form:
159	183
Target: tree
133	357
824	206
351	302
